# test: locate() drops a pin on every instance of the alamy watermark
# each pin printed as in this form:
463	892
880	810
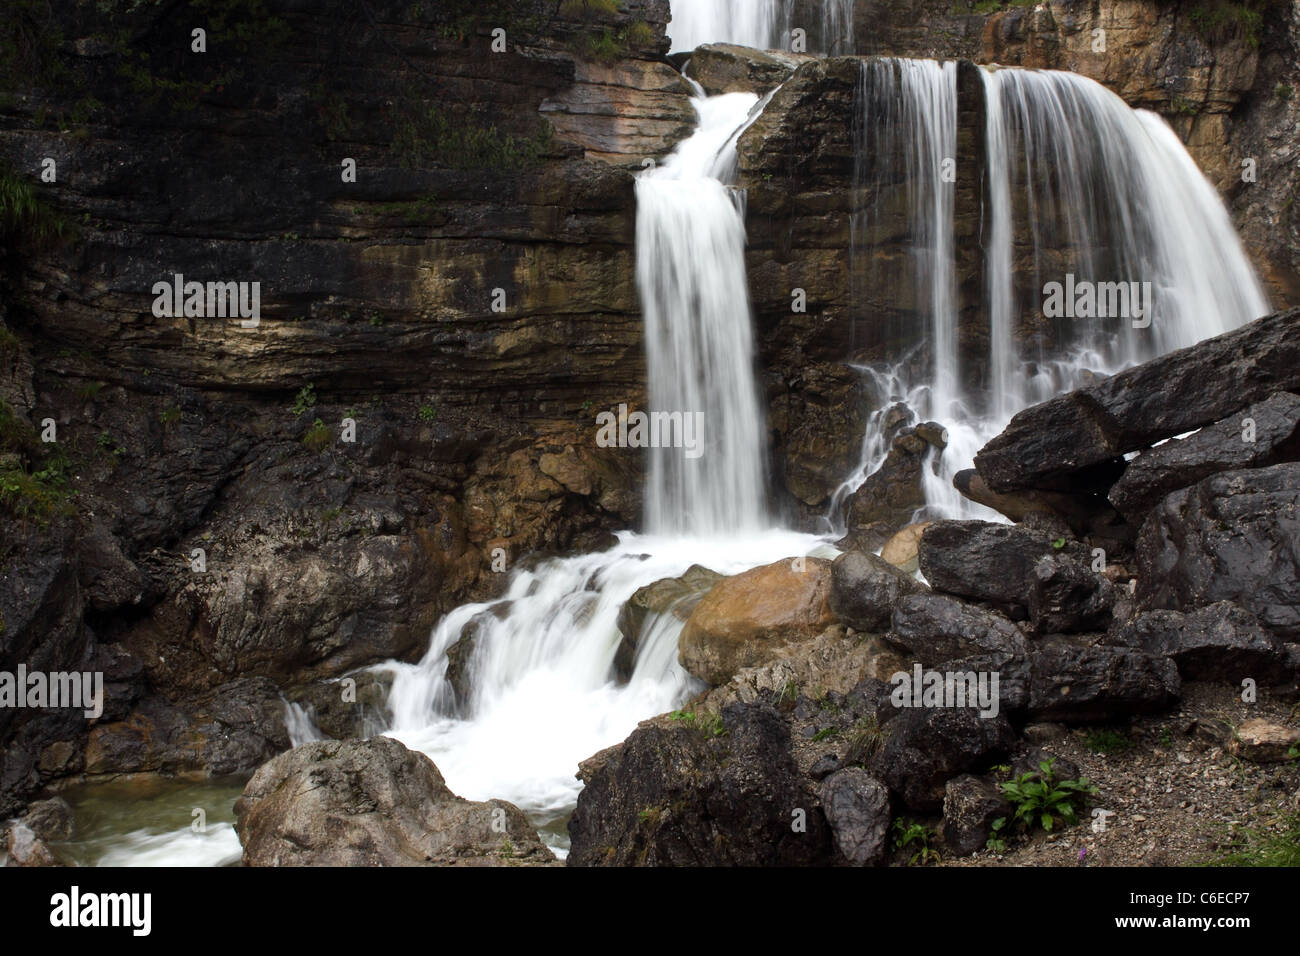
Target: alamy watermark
55	690
923	688
1084	299
212	300
622	429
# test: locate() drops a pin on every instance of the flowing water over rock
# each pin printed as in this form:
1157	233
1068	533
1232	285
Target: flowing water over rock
762	24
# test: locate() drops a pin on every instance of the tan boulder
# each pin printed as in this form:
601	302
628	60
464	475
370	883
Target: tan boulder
1262	741
749	619
901	550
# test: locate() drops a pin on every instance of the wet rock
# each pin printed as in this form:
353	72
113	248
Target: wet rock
824	767
1079	511
28	849
1082	684
342	710
985	561
747	620
678	596
1273	433
1230	537
1066	596
1072	442
674	794
865	589
970	805
901	549
50	820
887	501
926	747
856	805
460	655
1220	642
373	803
935	627
724	68
1263	741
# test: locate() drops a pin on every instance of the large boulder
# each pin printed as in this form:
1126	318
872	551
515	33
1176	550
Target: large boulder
372	803
748	619
984	560
865	589
725	68
1075	684
1067	596
678	596
1230	537
856	805
1218	642
927	746
890	497
689	794
1266	433
935	627
1073	442
902	549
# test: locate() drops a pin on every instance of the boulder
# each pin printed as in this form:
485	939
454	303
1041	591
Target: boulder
856	805
1074	684
891	495
1066	596
679	794
1220	642
460	655
1272	437
678	596
50	820
935	627
372	803
970	805
1263	741
865	589
926	747
725	68
901	549
748	619
1230	537
28	849
985	561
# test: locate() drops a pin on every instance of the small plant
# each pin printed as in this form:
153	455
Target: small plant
507	849
1283	91
1166	738
1042	800
865	739
1106	741
910	833
318	436
169	415
305	399
1058	544
90	391
709	724
1278	846
995	843
824	733
428	413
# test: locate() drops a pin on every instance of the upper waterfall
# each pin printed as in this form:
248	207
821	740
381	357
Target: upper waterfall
761	24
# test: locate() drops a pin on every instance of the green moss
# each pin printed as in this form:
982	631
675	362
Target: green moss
319	436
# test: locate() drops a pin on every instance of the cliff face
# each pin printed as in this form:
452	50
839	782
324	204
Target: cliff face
461	308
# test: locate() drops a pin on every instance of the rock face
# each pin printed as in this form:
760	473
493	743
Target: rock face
926	747
747	619
680	796
372	803
725	68
1072	442
1231	537
865	590
1067	596
1075	684
1265	433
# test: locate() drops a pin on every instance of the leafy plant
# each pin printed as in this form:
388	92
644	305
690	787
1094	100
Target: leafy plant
910	833
428	413
865	739
1106	741
710	724
305	399
1040	799
169	415
995	843
318	436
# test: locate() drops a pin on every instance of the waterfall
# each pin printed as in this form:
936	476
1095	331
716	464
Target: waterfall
1110	195
761	24
691	273
539	694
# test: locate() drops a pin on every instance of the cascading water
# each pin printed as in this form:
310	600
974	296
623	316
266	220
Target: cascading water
541	691
761	24
1109	195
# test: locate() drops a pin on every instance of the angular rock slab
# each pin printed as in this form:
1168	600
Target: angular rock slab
856	805
865	590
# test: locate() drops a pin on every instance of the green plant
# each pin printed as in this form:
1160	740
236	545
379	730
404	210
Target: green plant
1106	741
305	399
318	436
8	341
90	391
865	739
169	415
1166	738
1283	91
1252	847
709	724
1040	799
24	216
910	833
428	413
995	843
1058	544
824	733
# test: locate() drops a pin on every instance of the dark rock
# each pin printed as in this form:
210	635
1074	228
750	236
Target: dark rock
677	596
51	820
372	803
676	795
865	590
1220	642
926	747
970	805
724	68
1082	513
1067	596
824	767
342	710
460	655
1230	537
1218	447
888	500
985	561
937	628
856	805
1079	685
1073	441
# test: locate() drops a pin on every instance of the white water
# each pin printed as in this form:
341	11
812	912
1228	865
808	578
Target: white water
542	691
1112	185
761	24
